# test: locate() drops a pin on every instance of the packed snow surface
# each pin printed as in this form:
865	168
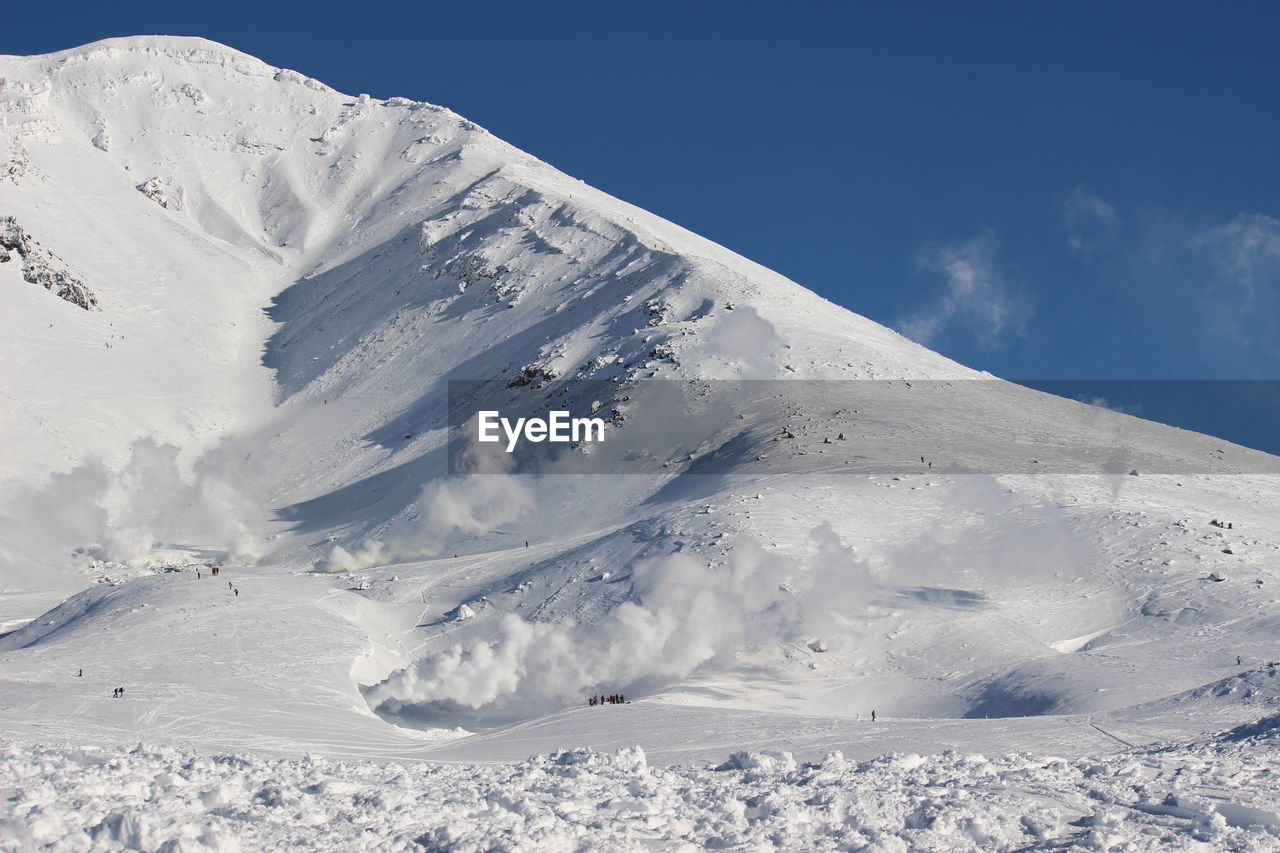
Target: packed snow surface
233	301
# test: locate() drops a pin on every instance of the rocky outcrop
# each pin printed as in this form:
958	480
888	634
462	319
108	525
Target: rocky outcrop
42	267
533	374
155	189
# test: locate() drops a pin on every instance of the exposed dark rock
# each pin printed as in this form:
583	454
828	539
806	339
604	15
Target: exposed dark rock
42	267
533	374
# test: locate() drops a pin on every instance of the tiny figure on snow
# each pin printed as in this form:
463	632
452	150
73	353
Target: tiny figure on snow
1238	661
80	674
237	592
873	716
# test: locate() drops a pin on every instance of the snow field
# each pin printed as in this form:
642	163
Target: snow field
1219	794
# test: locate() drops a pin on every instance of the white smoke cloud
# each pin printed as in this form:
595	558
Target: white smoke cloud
840	587
684	616
40	527
121	514
990	529
478	502
741	345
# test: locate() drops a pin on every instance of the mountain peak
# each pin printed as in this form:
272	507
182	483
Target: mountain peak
171	45
147	48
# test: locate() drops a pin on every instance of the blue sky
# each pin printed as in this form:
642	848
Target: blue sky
1042	190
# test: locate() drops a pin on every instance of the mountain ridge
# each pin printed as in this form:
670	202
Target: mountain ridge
317	180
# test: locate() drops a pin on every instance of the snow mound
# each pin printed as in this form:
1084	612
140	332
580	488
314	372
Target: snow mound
1212	796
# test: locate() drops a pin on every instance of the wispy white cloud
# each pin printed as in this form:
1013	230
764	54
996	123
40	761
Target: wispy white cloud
975	295
1088	219
1245	252
1214	284
1226	274
1241	294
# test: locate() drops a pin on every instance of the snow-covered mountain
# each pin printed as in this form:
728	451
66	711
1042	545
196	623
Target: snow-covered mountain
234	300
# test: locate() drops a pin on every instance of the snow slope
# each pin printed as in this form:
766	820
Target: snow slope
287	278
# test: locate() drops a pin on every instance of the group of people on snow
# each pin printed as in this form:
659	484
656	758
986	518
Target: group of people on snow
118	692
214	569
612	699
